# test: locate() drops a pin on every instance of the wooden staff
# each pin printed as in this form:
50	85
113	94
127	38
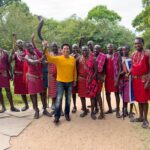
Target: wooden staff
14	42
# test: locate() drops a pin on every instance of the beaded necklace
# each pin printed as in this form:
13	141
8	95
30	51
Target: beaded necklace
138	57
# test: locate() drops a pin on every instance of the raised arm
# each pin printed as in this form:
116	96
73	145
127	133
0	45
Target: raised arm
81	42
31	61
50	59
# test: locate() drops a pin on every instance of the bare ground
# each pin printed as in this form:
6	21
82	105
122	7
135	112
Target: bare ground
82	134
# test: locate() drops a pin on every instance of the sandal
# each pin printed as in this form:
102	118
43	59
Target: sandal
83	114
74	110
131	115
118	115
101	116
145	124
137	120
109	112
96	111
87	110
93	116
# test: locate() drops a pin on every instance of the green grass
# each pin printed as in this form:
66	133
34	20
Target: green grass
16	98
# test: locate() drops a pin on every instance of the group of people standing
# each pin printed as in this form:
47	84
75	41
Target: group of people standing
83	72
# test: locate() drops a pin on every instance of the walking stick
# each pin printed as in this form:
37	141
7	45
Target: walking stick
135	108
14	42
103	97
123	99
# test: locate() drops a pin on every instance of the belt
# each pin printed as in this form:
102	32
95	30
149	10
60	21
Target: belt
145	76
18	72
34	76
80	77
4	73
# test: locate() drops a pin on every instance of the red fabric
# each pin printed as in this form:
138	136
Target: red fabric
4	82
109	80
75	88
25	67
140	62
34	77
4	70
20	86
93	86
52	84
82	75
101	61
140	66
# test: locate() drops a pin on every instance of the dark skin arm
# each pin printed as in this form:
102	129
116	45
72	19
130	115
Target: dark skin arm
147	84
95	71
81	42
11	71
120	72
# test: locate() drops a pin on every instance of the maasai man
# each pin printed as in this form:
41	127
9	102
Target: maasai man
66	77
82	76
100	63
5	76
125	81
141	79
76	55
52	74
110	81
45	73
90	45
35	78
20	86
91	83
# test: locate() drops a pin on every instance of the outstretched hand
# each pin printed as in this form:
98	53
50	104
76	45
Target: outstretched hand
33	36
45	44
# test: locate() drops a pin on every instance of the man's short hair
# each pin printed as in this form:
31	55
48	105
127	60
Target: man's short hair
140	38
65	44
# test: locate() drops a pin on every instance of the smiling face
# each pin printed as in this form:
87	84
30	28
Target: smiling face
75	48
85	51
90	45
54	47
125	51
19	44
138	44
97	50
66	50
110	48
29	47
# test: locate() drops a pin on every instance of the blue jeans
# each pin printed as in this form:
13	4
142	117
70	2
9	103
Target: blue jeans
61	87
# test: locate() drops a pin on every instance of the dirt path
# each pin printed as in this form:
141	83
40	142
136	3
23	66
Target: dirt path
80	134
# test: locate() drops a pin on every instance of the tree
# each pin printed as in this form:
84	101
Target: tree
7	2
16	18
101	12
142	22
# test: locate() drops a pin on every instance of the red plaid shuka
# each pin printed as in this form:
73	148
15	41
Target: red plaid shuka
93	86
101	61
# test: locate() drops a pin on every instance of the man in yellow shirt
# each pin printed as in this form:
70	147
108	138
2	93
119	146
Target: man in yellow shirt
66	78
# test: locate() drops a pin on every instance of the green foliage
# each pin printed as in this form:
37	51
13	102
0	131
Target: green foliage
142	22
16	17
7	2
101	12
146	3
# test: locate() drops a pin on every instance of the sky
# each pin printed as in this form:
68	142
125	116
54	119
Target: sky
61	9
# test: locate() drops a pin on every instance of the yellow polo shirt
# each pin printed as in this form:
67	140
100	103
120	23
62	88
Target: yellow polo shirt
66	67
